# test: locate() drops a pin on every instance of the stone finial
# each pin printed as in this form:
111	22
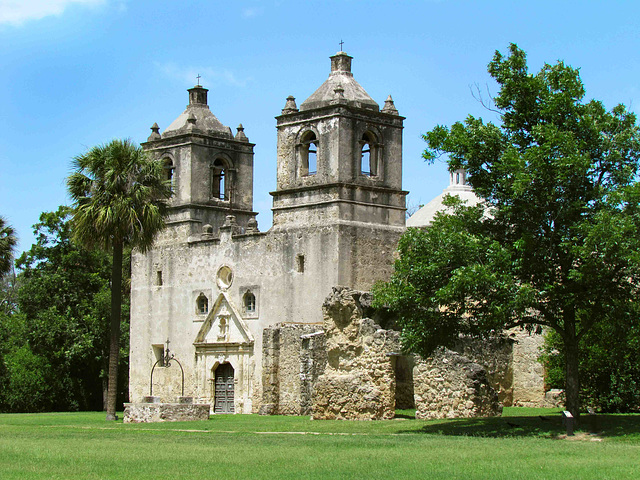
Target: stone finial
389	106
191	120
229	228
207	231
338	97
155	133
240	136
230	221
252	225
290	106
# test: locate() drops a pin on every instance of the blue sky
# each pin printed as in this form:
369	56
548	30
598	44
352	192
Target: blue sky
76	73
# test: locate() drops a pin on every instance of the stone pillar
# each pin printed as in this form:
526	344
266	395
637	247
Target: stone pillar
270	366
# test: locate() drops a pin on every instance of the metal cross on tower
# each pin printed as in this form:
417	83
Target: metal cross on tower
198	77
341	43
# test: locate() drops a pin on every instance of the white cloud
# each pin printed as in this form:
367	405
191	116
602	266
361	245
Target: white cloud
17	12
209	76
251	11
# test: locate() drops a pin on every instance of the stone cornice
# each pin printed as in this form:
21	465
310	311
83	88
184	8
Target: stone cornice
211	206
336	185
337	200
339	110
189	139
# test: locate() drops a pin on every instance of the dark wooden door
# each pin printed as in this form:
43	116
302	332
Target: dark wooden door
224	389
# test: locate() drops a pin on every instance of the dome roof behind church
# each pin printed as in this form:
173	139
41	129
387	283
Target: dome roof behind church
458	186
197	117
340	86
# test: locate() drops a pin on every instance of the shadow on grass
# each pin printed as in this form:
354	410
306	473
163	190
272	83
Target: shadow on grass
549	426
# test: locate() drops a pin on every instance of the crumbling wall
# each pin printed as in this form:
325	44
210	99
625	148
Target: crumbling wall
293	356
449	385
359	380
313	361
495	354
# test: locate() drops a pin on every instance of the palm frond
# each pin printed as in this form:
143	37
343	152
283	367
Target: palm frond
119	195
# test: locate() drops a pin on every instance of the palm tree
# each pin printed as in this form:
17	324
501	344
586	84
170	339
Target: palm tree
119	200
7	242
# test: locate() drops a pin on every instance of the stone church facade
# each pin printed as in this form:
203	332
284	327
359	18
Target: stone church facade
213	282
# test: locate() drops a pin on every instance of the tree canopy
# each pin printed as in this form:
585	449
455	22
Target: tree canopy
555	243
7	243
119	201
54	342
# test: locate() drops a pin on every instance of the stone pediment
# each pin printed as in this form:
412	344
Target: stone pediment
224	325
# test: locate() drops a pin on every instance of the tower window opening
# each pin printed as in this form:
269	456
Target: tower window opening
313	159
365	165
159	278
219	180
368	155
300	263
457	179
169	171
202	304
309	154
249	302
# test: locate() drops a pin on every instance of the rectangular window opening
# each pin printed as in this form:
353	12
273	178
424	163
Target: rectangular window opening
365	164
300	263
159	277
313	160
158	353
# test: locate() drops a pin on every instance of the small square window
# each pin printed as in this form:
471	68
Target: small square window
202	304
158	353
249	302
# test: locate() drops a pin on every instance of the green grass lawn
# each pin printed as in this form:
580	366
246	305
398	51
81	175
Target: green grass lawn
523	444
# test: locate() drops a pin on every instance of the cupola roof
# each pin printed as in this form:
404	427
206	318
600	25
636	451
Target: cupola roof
197	117
340	88
457	186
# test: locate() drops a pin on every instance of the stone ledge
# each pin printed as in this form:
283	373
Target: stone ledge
165	412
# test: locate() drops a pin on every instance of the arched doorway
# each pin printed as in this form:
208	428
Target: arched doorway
223	400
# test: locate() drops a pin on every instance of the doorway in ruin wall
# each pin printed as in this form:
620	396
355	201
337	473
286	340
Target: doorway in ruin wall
224	389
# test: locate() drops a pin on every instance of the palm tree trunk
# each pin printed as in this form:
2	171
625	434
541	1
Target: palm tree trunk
114	342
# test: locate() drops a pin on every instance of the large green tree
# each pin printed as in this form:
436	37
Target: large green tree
54	337
119	201
556	243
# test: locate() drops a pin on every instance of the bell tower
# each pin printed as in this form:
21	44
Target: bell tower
339	156
210	169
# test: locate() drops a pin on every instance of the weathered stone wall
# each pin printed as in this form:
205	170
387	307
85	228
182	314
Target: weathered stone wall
313	361
449	385
165	412
293	356
528	372
359	380
495	354
167	382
